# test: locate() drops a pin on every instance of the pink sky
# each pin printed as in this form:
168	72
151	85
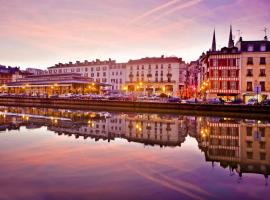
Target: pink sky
41	33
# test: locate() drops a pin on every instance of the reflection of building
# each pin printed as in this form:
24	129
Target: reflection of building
145	128
154	129
156	75
220	139
242	146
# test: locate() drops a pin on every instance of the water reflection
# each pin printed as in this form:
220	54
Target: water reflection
238	145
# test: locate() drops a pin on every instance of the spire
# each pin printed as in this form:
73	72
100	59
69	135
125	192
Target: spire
231	43
214	41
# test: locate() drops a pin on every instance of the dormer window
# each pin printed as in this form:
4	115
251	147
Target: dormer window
250	48
263	47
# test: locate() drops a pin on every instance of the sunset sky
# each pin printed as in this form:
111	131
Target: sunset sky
40	33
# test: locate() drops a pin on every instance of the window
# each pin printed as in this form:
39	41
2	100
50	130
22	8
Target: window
224	73
262	83
104	73
131	68
262	72
224	85
250	61
98	69
92	69
249	86
156	66
98	74
262	156
149	67
249	131
262	131
92	74
249	72
215	85
249	155
262	145
169	66
215	73
263	47
233	85
249	144
262	61
250	48
86	69
233	73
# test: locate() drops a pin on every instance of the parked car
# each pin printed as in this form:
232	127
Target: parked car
236	101
54	96
266	102
215	101
252	101
174	100
192	100
3	94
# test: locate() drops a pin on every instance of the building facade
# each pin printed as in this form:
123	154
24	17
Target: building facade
192	79
106	72
9	74
255	69
220	72
156	75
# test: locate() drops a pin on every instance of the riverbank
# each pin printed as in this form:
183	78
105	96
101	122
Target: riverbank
128	106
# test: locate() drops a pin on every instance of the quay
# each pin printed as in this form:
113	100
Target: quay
135	106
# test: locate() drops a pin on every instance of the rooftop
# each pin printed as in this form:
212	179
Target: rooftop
153	60
85	63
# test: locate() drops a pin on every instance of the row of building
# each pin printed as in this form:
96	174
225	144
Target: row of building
238	71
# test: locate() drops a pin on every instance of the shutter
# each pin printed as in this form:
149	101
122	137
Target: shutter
237	73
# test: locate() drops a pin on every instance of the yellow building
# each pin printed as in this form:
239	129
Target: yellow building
255	69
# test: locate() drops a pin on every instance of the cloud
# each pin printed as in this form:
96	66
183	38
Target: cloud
155	10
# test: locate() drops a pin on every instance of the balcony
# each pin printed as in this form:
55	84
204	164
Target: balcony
169	75
262	75
249	74
250	62
131	75
149	75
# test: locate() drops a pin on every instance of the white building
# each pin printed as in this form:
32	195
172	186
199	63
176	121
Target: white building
156	75
107	72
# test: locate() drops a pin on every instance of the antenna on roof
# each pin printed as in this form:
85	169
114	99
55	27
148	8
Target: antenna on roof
265	30
239	33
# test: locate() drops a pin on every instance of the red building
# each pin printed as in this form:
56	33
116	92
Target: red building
220	72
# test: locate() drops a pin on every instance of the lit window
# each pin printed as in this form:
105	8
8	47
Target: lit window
263	47
250	48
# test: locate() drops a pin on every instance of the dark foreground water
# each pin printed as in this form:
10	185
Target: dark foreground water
64	154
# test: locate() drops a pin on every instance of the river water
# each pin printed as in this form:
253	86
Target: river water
73	154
